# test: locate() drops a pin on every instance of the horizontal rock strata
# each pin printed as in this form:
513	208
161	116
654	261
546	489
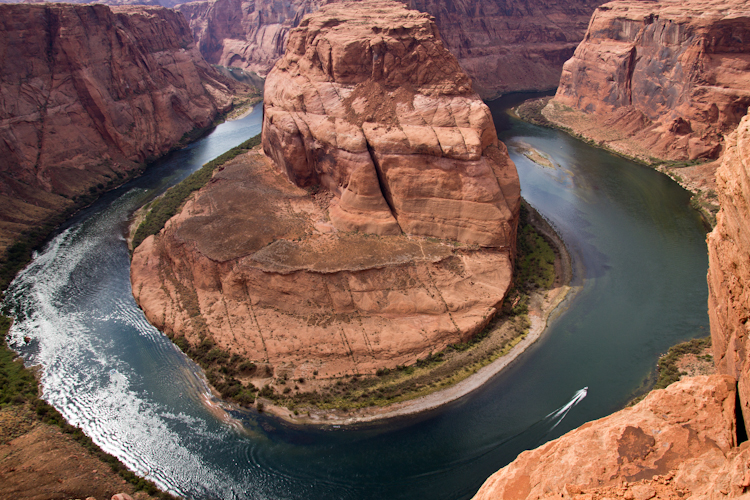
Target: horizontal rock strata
368	104
89	94
504	46
659	80
253	263
729	265
680	442
393	239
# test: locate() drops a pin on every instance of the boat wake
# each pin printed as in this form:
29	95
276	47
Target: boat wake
558	415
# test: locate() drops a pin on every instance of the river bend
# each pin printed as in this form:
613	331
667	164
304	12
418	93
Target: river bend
640	263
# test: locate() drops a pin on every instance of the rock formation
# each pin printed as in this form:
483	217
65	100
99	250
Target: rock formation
377	126
89	94
659	80
504	46
729	265
379	113
680	442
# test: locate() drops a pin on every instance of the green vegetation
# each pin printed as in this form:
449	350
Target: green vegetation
222	369
18	387
164	208
667	365
17	384
535	261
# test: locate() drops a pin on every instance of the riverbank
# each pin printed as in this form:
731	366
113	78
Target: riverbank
477	370
42	456
696	177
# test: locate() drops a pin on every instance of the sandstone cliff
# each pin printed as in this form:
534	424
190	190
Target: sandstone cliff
318	279
504	46
729	264
659	80
89	94
381	115
680	442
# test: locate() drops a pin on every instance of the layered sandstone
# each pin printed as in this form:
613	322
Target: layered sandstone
89	94
504	46
379	113
332	274
729	264
659	80
680	442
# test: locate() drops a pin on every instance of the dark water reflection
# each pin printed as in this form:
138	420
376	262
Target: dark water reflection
641	262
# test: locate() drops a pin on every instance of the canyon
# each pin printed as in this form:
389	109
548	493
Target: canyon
660	82
377	224
504	46
688	440
331	253
90	95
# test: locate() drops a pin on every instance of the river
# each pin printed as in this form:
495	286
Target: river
640	263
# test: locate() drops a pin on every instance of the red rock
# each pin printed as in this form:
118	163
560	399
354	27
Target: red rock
658	79
369	104
504	46
729	264
681	438
376	121
251	262
90	93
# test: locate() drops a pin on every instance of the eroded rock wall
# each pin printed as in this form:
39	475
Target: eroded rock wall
89	93
729	264
378	227
253	264
659	80
503	45
369	104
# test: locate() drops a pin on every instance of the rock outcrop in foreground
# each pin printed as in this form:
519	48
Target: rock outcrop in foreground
680	442
89	94
331	274
504	46
729	265
659	80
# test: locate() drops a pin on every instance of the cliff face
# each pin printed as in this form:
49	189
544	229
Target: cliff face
503	45
679	442
89	93
659	79
729	264
315	277
381	115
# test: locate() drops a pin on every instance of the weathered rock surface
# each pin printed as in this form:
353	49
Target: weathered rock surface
679	442
659	79
88	94
253	263
377	127
503	45
729	264
369	104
